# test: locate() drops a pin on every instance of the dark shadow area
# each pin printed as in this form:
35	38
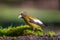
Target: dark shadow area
13	24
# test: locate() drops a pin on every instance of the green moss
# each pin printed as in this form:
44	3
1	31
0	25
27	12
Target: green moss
51	34
28	32
23	30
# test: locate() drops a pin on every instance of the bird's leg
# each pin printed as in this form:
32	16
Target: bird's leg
34	29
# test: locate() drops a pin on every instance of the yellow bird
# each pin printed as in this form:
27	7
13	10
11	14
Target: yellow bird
31	21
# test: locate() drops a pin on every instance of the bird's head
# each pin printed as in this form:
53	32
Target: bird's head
22	14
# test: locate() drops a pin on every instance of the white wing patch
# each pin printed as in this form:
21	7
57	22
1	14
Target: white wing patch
35	21
38	21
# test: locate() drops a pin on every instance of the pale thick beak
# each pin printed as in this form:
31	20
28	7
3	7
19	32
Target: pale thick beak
19	16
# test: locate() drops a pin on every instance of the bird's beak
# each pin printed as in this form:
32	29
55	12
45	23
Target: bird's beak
19	16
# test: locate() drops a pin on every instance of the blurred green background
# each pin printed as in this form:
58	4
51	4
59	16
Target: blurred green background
10	14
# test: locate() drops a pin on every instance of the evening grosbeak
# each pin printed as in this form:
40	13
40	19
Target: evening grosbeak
31	21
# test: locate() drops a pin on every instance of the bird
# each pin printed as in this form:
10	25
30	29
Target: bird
30	20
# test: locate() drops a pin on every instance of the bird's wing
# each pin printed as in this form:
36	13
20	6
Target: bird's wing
36	21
